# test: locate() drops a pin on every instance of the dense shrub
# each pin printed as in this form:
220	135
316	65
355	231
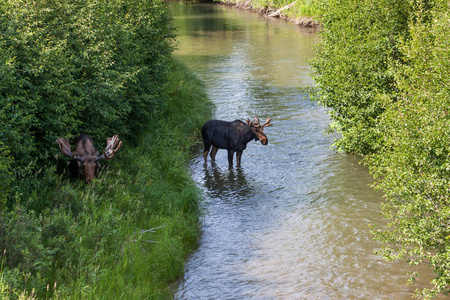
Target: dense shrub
352	66
414	164
127	234
383	69
79	66
6	177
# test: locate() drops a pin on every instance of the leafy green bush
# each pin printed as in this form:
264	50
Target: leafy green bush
103	68
383	69
414	165
6	176
79	66
352	66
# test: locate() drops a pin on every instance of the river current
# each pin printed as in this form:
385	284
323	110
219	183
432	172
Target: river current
293	222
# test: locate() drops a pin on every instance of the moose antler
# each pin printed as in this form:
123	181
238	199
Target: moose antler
267	123
255	121
257	124
64	145
109	151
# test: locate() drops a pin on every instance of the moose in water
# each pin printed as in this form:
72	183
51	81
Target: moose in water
232	136
85	156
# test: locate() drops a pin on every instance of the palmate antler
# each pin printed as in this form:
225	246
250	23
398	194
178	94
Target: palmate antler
267	123
256	123
64	146
109	151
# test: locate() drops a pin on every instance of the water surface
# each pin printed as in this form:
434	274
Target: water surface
293	221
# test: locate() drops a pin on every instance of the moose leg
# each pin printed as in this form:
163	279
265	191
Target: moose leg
213	153
207	147
238	157
230	157
205	155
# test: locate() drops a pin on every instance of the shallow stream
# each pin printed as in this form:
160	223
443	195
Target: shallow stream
293	221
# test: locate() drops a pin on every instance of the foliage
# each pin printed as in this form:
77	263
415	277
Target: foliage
351	68
79	66
5	174
414	165
383	69
103	68
127	234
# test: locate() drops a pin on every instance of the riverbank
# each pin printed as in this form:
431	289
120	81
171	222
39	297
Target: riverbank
71	68
127	234
296	12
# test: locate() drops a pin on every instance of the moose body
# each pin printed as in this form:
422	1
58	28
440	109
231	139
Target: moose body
232	136
85	156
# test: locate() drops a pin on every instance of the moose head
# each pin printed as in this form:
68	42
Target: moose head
259	129
86	155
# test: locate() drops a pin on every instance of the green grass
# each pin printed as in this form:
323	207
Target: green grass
301	8
125	236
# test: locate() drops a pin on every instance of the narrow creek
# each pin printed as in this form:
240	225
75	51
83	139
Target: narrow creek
293	221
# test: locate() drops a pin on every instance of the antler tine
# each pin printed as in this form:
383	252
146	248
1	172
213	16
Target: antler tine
109	151
267	123
64	146
111	144
256	121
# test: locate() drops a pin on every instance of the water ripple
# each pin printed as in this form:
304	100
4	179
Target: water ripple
292	222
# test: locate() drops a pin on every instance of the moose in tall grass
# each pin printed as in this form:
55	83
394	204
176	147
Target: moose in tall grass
85	156
232	136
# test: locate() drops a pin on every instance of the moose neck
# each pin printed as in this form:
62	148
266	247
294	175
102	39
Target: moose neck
249	134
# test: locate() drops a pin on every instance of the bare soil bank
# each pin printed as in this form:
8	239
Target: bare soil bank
273	13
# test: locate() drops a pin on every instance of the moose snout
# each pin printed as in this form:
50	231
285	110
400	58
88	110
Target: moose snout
89	173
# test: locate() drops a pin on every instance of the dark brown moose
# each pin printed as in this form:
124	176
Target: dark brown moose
86	155
232	136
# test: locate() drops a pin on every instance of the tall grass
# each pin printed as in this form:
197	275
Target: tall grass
125	236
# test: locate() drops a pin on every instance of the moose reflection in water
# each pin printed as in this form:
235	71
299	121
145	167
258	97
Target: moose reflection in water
230	184
233	136
85	156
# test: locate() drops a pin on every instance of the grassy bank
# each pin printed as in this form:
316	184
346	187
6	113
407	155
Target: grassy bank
125	236
302	12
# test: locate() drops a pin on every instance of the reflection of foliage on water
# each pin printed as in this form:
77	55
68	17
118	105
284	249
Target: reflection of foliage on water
227	184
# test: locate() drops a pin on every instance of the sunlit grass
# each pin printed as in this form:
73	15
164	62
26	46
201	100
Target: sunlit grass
299	9
125	236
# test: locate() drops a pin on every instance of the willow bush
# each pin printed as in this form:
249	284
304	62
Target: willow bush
79	66
383	69
352	66
414	164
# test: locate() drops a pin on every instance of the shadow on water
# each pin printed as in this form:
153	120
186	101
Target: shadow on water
227	184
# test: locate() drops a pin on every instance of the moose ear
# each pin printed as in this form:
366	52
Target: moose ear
64	145
248	122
